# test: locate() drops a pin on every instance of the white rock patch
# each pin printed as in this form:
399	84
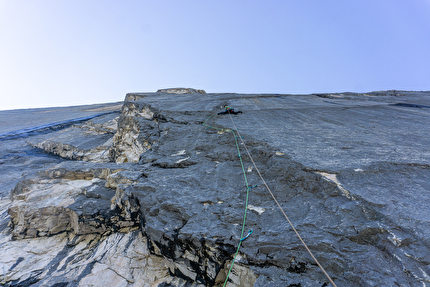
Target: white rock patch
257	209
181	160
181	152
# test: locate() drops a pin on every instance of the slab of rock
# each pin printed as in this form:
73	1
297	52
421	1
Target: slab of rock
90	141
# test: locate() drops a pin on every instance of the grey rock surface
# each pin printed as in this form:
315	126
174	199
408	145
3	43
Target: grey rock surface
152	197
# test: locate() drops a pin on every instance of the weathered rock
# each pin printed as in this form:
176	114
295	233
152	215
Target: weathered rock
90	141
168	210
79	201
181	91
133	138
98	154
120	259
45	221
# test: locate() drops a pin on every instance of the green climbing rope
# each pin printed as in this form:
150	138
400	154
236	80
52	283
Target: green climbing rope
247	193
235	130
220	129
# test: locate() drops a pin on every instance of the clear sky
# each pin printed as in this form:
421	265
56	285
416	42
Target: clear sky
70	52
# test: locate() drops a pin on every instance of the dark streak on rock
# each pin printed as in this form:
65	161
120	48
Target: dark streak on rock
47	128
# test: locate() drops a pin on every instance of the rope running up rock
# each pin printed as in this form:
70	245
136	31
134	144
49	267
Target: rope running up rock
234	132
242	237
277	203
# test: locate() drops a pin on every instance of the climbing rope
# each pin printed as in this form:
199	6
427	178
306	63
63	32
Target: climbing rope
277	203
246	208
234	132
242	237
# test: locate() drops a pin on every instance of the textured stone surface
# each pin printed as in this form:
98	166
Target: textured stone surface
163	204
181	91
90	141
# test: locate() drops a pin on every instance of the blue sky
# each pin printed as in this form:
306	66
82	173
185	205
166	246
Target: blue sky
71	52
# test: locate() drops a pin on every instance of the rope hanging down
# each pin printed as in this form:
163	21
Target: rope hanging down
246	208
242	237
277	203
247	195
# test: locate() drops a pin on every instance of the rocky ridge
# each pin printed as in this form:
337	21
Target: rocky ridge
154	198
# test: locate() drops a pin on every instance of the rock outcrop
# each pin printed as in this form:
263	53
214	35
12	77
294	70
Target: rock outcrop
151	197
90	141
181	91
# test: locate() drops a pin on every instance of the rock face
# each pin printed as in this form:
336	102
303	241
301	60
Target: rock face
156	195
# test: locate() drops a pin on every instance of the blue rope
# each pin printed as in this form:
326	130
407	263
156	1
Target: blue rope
249	233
